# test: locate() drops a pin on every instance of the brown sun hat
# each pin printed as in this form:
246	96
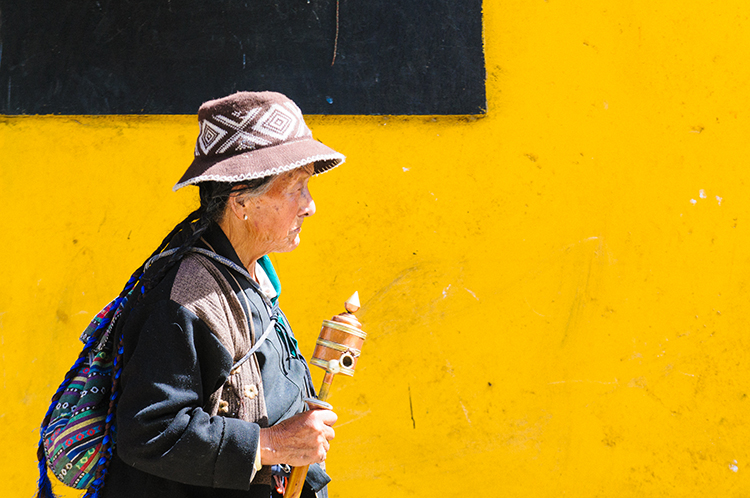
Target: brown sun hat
252	135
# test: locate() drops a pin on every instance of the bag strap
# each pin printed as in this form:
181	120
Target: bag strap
255	347
242	271
211	254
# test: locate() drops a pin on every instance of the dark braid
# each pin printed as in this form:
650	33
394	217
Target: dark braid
213	197
127	302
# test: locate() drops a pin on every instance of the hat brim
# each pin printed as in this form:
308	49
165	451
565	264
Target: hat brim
262	162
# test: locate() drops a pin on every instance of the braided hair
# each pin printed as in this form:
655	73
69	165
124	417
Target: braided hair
214	197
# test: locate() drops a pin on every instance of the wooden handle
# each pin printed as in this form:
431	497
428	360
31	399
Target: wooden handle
297	478
296	481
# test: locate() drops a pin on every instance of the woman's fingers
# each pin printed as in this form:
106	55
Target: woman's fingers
300	440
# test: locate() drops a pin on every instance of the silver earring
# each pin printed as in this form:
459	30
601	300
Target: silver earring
245	217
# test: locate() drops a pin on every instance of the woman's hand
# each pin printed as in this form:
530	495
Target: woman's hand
300	440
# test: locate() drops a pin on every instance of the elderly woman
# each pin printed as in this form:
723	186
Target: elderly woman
210	396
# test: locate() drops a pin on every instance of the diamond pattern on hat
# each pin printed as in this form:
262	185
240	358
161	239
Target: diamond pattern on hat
302	129
243	119
277	122
210	135
243	139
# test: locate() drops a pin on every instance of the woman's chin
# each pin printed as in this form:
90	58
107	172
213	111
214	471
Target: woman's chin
291	244
295	243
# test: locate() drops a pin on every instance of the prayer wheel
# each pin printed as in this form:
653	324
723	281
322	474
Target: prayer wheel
337	350
339	344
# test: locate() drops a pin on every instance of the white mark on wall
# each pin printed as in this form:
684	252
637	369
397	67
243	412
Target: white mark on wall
472	294
449	369
445	291
570	246
606	105
532	308
405	169
733	466
362	415
702	194
466	413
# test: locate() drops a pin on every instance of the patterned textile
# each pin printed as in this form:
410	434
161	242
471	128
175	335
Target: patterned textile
96	323
246	130
73	439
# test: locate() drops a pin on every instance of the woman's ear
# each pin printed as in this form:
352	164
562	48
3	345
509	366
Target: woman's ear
237	204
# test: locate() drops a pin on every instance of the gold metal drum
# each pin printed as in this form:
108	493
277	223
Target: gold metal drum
339	345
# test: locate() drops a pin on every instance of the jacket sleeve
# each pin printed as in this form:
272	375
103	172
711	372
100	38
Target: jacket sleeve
173	363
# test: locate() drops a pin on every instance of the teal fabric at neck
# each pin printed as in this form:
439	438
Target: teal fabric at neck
292	344
265	263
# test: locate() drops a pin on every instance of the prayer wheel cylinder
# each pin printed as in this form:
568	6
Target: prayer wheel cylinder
339	344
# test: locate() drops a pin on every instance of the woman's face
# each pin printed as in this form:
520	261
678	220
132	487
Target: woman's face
275	218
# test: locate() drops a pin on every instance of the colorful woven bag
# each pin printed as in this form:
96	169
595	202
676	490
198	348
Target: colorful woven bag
72	435
73	439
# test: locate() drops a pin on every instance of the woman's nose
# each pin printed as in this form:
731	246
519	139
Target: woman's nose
308	204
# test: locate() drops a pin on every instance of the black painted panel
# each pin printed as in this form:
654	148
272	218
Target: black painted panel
168	56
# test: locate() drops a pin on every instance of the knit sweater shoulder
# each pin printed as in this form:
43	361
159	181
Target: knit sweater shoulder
201	288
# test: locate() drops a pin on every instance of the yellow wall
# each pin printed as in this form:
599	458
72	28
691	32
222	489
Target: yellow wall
556	293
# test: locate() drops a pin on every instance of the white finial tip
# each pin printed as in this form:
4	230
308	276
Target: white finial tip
352	304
